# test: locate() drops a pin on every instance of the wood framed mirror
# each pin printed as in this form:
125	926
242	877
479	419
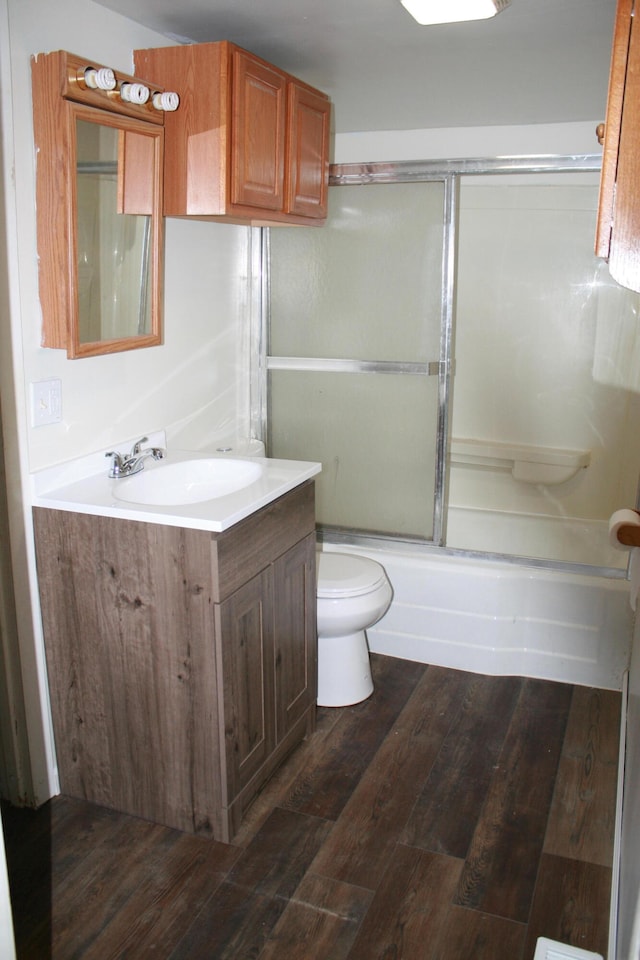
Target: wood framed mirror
99	211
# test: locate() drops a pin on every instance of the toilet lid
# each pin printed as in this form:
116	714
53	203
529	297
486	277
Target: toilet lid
342	575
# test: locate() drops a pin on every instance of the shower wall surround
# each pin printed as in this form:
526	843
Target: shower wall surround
545	343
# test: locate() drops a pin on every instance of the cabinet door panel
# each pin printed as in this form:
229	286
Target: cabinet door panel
615	103
295	634
244	643
258	134
624	252
307	153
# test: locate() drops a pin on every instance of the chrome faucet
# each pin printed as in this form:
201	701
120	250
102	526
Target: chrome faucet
126	465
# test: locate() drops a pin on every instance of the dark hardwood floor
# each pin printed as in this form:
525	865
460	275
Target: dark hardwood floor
450	816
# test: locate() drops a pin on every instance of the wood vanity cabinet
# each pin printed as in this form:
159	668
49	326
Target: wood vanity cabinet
618	228
181	663
249	144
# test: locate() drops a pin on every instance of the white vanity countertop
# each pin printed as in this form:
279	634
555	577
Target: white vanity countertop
83	486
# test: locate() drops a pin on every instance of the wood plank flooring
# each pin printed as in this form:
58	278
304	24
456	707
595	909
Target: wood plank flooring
451	816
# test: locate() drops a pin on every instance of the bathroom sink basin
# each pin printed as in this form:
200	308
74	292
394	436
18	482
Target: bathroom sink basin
187	481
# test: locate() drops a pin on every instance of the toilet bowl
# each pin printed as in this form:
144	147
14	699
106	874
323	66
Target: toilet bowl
353	593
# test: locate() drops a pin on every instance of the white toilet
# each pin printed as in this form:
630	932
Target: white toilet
353	594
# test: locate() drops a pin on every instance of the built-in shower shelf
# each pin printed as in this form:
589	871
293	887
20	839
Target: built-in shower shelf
531	464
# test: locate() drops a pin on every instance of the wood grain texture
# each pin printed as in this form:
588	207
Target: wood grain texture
225	146
295	653
258	131
500	868
412	898
197	136
582	817
615	103
445	816
120	887
127	618
324	787
248	904
282	783
52	136
307	163
371	823
322	912
244	642
624	249
470	935
54	124
165	703
571	905
72	85
238	554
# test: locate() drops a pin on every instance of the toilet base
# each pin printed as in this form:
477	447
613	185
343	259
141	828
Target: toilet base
344	671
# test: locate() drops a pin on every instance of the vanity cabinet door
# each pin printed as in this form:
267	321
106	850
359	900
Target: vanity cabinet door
295	635
244	648
266	644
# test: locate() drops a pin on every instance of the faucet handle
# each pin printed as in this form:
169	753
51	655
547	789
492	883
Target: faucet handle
137	447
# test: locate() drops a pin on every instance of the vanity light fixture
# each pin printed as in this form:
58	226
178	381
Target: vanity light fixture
130	90
453	11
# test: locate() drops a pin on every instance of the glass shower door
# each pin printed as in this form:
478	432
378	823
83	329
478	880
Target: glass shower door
355	369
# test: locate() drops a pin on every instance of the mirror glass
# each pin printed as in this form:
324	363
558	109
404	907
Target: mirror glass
116	233
113	247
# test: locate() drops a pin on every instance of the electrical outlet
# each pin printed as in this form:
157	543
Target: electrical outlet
46	402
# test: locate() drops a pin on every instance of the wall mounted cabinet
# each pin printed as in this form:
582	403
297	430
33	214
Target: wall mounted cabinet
99	167
250	143
618	230
182	663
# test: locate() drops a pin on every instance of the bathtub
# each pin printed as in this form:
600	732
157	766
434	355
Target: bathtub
500	618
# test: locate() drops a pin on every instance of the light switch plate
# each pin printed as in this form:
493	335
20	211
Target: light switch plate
46	402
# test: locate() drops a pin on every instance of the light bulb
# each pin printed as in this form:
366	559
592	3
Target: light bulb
134	92
102	79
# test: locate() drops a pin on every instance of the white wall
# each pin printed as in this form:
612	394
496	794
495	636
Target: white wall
195	385
538	139
546	355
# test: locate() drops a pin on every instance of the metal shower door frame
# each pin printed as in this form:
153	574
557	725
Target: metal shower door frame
449	173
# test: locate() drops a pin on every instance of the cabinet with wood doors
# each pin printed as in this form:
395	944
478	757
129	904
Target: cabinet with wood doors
250	143
181	663
618	228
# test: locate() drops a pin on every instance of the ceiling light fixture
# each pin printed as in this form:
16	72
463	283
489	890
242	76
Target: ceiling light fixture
453	11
